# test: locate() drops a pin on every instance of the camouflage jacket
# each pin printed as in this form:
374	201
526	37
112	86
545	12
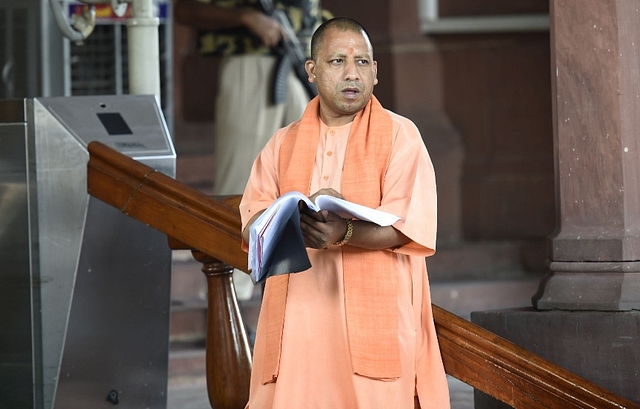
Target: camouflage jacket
305	16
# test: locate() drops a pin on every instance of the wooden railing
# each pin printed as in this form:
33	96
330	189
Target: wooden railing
210	227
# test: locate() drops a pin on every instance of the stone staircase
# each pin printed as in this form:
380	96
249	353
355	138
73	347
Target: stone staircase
188	319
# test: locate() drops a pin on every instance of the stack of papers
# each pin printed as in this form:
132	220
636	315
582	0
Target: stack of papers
276	245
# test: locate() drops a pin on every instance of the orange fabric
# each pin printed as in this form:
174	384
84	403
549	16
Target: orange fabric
315	359
371	309
274	305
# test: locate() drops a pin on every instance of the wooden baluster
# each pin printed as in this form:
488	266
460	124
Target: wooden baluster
228	354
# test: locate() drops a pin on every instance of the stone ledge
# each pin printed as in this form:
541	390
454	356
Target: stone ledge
599	346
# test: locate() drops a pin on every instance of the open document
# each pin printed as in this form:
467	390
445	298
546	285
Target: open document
276	245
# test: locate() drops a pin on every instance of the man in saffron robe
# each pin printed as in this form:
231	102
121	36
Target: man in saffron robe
355	331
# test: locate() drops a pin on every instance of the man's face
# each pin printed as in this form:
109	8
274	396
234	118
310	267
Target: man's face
344	73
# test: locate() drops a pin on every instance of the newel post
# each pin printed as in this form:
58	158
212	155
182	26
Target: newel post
228	354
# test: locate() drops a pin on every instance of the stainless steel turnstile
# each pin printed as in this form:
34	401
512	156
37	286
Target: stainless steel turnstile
84	289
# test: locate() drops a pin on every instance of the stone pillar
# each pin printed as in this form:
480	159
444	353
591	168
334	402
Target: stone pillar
595	250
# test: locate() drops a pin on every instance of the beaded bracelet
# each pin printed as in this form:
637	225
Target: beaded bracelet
347	235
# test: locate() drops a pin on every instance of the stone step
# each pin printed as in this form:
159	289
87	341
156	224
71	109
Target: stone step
464	297
188	321
187	362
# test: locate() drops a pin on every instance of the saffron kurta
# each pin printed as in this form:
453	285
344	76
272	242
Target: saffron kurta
315	365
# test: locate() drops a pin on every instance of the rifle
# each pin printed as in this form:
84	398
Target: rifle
292	57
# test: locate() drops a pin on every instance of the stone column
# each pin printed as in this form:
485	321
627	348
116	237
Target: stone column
595	251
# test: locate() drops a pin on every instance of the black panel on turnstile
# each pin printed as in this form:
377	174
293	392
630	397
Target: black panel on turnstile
114	123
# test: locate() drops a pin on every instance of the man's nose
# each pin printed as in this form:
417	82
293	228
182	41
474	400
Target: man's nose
351	71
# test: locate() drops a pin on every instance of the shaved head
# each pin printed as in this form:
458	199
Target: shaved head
341	24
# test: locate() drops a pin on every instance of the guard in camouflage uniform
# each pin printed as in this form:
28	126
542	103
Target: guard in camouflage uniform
246	117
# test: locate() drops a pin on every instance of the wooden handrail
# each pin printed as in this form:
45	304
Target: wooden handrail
470	353
207	224
512	374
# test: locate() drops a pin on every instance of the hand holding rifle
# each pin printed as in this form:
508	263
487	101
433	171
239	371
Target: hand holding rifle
292	56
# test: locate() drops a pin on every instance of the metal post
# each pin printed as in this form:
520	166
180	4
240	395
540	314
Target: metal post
144	55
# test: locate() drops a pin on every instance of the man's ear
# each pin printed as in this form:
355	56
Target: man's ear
310	68
375	72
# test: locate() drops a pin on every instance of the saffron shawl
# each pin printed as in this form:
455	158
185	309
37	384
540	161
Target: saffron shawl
370	282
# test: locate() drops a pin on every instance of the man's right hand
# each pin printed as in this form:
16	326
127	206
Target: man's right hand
321	229
267	29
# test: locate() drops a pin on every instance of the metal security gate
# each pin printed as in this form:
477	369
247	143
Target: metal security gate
84	289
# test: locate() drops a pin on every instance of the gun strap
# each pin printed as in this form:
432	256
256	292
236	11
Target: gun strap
281	80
